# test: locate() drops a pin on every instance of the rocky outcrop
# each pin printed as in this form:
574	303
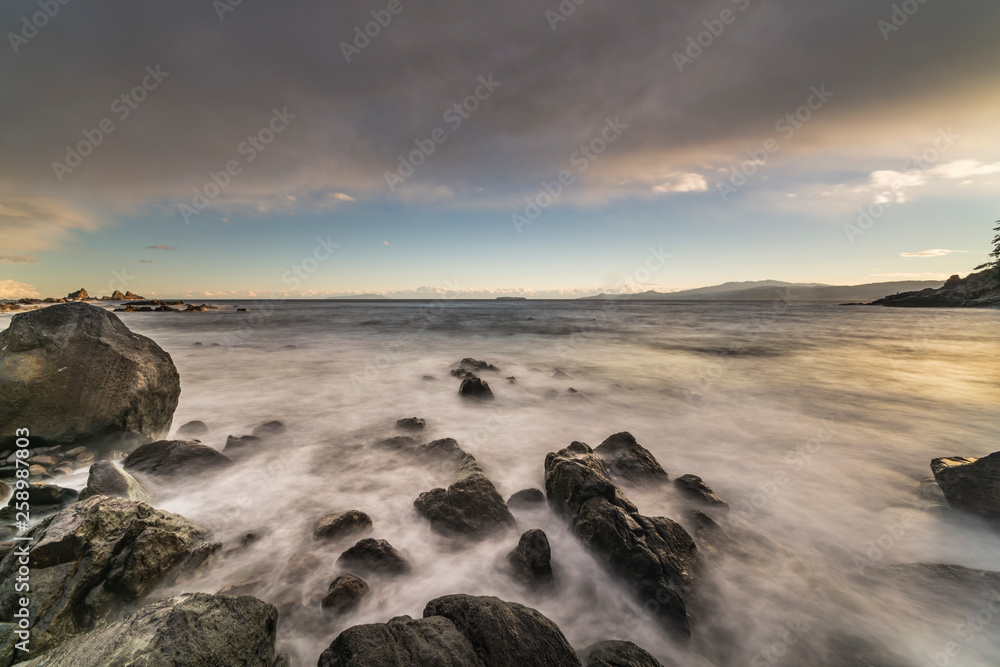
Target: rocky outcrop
193	629
174	457
470	366
107	479
976	290
630	461
93	558
526	499
694	487
345	593
341	524
531	560
654	556
456	631
969	484
618	654
471	506
474	388
370	556
78	376
79	295
411	424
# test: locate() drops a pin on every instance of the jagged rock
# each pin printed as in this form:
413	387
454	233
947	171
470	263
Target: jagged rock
972	485
172	457
116	296
470	366
272	429
79	376
193	428
618	654
531	560
107	479
345	593
93	558
374	557
526	499
653	555
471	506
334	526
193	629
79	295
561	375
239	445
474	388
411	424
630	461
694	487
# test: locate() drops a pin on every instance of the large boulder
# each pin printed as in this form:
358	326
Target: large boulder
107	479
345	593
192	629
77	375
471	506
456	631
340	524
616	653
630	461
972	485
654	556
370	556
172	457
95	557
474	388
531	559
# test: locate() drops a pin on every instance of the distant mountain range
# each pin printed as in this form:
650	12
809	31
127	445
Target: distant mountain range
769	290
357	296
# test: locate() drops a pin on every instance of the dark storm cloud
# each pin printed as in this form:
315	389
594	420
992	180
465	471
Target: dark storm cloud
218	82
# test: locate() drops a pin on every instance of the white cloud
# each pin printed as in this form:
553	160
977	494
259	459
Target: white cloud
162	247
890	186
11	289
936	252
17	259
965	169
339	196
678	182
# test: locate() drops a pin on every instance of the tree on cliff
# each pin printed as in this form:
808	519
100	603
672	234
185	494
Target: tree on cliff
995	264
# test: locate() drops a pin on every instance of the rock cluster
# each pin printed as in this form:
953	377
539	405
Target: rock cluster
976	290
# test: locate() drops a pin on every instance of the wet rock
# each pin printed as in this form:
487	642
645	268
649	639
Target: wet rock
84	458
272	429
526	499
531	560
174	457
653	555
511	380
345	593
630	461
411	424
471	366
192	629
107	479
561	375
36	470
398	443
79	295
618	654
370	556
193	428
969	484
77	374
238	447
402	642
95	557
44	460
428	378
340	524
693	487
76	451
474	388
471	506
62	469
4	491
43	499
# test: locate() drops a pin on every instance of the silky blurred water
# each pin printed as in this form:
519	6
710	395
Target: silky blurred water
816	423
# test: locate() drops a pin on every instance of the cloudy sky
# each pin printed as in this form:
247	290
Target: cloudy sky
205	148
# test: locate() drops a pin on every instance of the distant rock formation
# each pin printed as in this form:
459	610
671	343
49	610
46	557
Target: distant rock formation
79	295
976	290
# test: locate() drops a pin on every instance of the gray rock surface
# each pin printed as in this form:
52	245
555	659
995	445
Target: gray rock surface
618	654
972	485
370	556
630	461
174	457
107	479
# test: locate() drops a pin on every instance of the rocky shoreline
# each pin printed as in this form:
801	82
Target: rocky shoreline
976	290
100	559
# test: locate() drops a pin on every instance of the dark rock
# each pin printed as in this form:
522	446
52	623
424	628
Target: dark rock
84	458
44	498
398	443
95	557
77	374
471	506
79	295
116	296
469	365
972	485
428	378
192	629
474	388
172	457
694	487
107	479
4	490
526	499
411	424
334	526
975	290
193	428
653	555
371	556
561	375
618	654
237	448
630	461
272	429
531	560
402	642
512	380
45	460
505	633
345	593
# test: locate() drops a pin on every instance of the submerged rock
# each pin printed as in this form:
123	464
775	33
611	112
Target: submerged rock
337	525
107	479
972	485
192	629
526	499
531	560
78	375
193	428
694	487
618	654
654	556
411	424
630	461
474	388
371	556
345	593
174	457
271	429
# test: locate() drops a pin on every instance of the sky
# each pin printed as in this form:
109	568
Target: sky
538	148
